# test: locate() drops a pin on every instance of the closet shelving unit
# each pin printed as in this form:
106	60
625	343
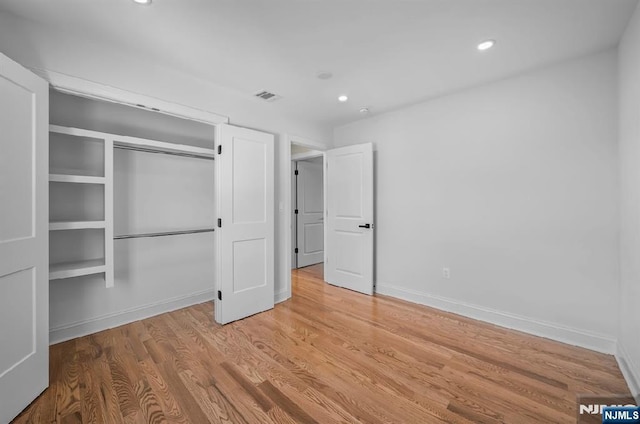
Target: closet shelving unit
104	179
80	175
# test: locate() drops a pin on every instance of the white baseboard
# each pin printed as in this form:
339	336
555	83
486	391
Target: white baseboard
282	295
630	371
93	325
561	333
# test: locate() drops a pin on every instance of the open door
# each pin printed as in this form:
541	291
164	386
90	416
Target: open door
310	216
24	238
349	223
245	233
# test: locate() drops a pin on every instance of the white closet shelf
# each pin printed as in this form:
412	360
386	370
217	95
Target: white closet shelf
70	171
122	140
81	179
76	269
75	225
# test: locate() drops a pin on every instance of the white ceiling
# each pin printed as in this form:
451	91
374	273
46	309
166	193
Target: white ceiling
383	53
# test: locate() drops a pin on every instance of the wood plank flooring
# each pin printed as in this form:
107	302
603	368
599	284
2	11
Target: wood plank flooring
327	355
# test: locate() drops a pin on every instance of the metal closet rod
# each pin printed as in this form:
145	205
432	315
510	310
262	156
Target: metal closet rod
164	152
166	233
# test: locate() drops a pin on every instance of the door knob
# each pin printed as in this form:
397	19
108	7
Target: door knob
365	226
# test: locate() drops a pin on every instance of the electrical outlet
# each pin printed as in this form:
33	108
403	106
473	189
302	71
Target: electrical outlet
446	273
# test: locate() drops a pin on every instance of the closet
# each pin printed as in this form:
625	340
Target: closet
132	208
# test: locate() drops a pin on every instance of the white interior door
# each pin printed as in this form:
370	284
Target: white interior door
24	238
310	216
349	194
245	237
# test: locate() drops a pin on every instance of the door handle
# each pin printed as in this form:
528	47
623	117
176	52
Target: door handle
365	226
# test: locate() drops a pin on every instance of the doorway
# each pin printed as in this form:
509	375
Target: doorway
348	221
307	207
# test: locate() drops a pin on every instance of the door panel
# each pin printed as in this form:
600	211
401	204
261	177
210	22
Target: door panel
249	264
310	219
349	209
350	257
245	240
17	307
15	196
348	172
313	239
249	164
24	216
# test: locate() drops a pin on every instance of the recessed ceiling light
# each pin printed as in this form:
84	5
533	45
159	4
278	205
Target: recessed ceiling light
486	45
343	98
143	1
364	110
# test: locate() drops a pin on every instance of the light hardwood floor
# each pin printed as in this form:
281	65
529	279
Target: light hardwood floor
326	355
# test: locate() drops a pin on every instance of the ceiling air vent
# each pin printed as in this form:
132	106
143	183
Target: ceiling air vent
267	96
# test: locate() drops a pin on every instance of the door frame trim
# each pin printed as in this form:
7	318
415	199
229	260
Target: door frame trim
308	155
94	90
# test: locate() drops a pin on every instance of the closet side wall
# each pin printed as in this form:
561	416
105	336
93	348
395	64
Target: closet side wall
152	193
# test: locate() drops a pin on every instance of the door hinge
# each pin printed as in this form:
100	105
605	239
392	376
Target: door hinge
296	212
219	295
296	173
219	222
296	251
219	149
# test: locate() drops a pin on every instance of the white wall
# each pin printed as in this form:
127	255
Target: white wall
38	46
514	187
629	332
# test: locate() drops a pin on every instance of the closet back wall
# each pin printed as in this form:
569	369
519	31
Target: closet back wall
152	193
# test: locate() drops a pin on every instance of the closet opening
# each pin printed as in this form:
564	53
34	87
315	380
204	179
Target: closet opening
133	207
